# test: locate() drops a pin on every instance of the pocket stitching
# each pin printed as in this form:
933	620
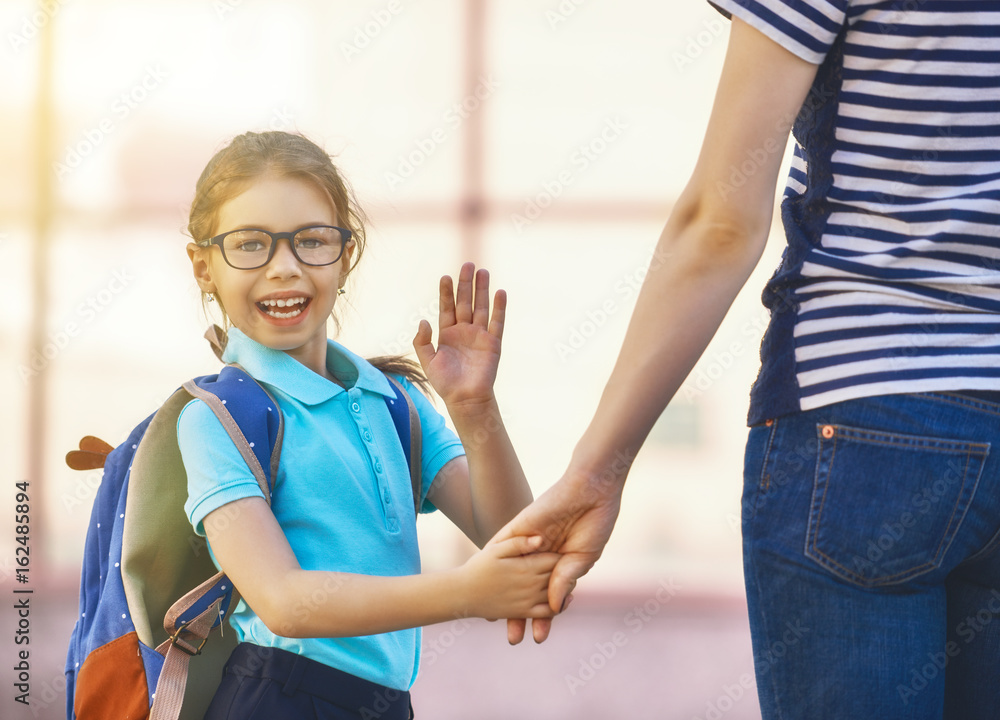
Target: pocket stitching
969	449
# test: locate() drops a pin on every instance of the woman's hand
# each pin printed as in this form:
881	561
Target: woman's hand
464	367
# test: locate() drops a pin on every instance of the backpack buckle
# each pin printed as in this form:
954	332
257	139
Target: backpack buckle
185	646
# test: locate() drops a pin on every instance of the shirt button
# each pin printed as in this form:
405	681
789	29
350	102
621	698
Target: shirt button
378	466
388	500
355	407
368	436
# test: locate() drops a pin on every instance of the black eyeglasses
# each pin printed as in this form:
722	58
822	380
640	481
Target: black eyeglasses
251	248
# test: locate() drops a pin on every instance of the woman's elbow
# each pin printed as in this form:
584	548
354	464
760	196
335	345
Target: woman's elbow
717	232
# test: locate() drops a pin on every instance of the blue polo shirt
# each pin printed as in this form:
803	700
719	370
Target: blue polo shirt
342	494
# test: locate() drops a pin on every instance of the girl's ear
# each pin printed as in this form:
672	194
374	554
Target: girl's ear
201	267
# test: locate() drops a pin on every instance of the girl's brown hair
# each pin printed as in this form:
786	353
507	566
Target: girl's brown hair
252	155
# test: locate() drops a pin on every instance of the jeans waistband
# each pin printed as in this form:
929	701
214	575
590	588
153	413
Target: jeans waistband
301	674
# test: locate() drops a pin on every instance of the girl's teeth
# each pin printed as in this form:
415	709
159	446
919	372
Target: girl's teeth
281	316
270	307
283	302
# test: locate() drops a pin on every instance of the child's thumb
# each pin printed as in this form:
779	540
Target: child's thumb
422	345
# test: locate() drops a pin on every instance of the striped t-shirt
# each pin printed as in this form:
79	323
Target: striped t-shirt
890	282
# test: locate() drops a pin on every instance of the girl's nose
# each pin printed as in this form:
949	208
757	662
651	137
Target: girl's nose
284	263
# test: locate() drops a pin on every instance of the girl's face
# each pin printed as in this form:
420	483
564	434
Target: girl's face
277	204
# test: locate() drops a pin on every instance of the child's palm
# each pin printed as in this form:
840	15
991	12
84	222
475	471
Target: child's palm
464	366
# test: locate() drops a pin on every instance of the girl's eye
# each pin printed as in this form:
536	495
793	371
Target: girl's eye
310	242
250	246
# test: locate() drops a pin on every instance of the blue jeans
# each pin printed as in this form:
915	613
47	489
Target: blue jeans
871	531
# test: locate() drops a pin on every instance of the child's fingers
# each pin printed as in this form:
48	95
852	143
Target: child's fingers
446	303
516	546
422	344
542	563
499	314
463	298
481	310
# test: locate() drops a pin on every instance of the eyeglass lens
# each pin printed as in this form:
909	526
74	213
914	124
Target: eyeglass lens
248	249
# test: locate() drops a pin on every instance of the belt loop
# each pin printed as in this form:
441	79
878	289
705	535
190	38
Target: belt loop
294	677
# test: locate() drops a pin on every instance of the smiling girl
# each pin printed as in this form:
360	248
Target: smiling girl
276	235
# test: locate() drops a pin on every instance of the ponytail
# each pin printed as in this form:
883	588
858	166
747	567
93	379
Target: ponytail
403	366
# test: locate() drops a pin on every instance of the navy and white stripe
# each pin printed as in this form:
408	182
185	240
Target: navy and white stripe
897	287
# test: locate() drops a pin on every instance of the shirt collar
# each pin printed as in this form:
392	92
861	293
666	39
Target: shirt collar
287	374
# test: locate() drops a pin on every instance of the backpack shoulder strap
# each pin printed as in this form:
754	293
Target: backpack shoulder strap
253	420
245	409
410	437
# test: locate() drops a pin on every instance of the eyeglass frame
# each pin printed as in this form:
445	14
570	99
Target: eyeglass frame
345	237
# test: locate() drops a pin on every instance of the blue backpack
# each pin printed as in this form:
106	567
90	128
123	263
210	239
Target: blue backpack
142	558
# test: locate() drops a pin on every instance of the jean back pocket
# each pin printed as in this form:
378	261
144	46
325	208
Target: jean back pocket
885	507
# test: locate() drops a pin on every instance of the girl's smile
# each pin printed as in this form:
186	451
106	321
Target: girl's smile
284	309
285	304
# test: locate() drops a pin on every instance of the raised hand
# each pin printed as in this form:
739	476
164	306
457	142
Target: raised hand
463	368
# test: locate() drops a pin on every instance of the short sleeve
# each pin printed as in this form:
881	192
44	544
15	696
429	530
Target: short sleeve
439	443
216	472
806	28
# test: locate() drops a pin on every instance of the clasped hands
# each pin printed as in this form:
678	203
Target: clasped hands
572	521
